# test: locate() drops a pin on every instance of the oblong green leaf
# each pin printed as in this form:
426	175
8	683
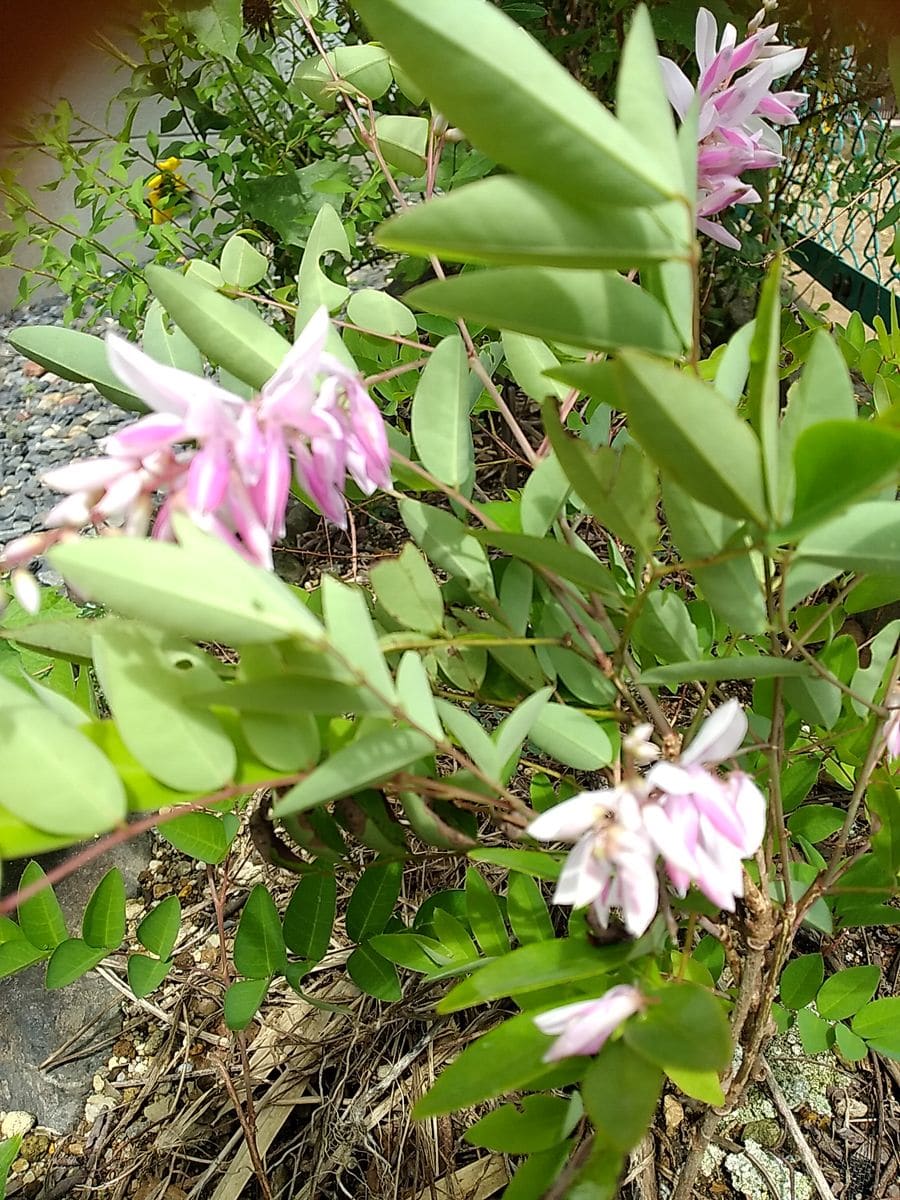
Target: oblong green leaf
513	100
201	835
879	1024
449	544
73	791
406	588
69	961
835	463
204	591
78	357
506	1059
258	944
865	539
403	142
228	334
541	1122
599	310
845	992
507	221
146	974
801	980
484	915
17	954
309	917
620	1092
751	666
241	264
573	738
242	1000
158	931
372	902
373	974
103	923
690	431
441	430
577	566
530	968
367	760
40	918
684	1026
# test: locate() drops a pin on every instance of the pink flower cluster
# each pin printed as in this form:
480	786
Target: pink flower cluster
225	462
737	111
701	824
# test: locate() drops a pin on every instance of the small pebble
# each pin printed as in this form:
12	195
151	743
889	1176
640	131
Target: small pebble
16	1124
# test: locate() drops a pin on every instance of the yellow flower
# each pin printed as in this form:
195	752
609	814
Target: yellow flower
164	191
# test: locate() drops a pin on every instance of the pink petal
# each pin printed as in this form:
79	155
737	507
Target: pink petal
165	389
583	875
750	806
677	85
147	436
705	34
639	890
720	735
26	590
586	1026
207	480
566	822
91	475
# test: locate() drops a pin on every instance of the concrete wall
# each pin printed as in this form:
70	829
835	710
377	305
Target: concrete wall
89	83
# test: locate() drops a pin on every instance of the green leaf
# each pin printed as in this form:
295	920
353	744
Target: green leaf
530	968
309	917
801	980
363	68
231	336
883	803
259	944
879	1024
403	142
78	357
103	923
16	954
73	791
40	918
283	741
351	628
816	822
216	24
201	589
739	666
701	1085
146	974
865	539
9	1152
540	1122
441	430
851	1047
731	587
813	1032
158	931
508	1058
242	1000
512	731
148	684
69	961
367	760
241	264
526	910
449	545
580	568
416	699
406	588
198	834
530	862
642	105
665	628
685	1026
172	348
473	224
484	915
845	992
373	899
763	393
573	738
373	974
528	358
412	951
326	236
836	462
598	310
689	431
620	1092
824	392
517	104
619	487
380	313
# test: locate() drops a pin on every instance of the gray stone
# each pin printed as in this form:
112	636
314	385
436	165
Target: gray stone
36	1023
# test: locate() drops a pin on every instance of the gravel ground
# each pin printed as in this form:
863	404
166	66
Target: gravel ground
45	421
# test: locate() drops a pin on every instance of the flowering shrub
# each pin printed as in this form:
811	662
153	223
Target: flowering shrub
639	653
